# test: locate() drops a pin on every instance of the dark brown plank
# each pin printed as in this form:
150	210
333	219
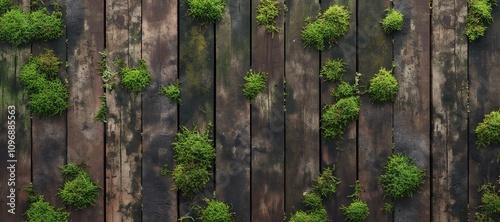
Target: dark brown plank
302	111
197	76
484	62
449	111
123	134
267	127
411	108
341	152
86	136
375	120
232	109
159	47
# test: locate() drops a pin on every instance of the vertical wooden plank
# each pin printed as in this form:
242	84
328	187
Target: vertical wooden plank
375	119
232	109
123	133
341	152
411	108
196	71
449	111
484	63
159	25
267	129
302	106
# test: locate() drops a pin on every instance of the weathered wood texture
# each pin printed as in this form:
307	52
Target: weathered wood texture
449	111
340	153
233	36
85	22
375	119
123	135
159	50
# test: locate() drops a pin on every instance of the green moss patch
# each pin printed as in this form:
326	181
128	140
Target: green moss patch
337	116
333	70
172	91
208	11
328	27
401	177
478	17
216	211
383	86
135	80
358	210
488	131
490	203
41	211
393	21
268	11
78	190
326	184
102	113
255	83
5	6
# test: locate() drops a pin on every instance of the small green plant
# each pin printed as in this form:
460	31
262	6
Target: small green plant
488	131
172	91
326	184
336	117
46	92
478	16
135	80
333	70
255	83
358	210
402	177
41	211
490	203
393	21
383	86
315	213
328	27
102	113
216	211
194	154
108	76
208	11
5	6
79	190
345	90
268	11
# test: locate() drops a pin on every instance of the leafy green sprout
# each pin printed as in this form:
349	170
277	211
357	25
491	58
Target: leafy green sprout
488	131
478	16
208	11
358	210
401	177
393	21
41	211
255	83
268	11
102	112
79	190
333	70
328	27
172	91
108	76
383	86
326	184
135	80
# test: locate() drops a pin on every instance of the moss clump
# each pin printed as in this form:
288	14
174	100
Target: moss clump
172	91
102	112
47	94
490	203
41	211
5	6
108	76
255	82
315	213
478	16
135	80
336	117
194	154
208	11
326	184
328	27
402	177
383	86
393	21
344	90
333	70
268	11
488	131
20	28
79	190
358	210
216	211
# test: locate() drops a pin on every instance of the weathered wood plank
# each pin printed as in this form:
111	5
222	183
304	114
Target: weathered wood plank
341	153
449	111
302	111
267	127
159	47
232	109
484	63
123	134
375	120
197	76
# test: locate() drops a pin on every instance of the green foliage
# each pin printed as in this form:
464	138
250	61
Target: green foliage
328	27
255	82
345	90
208	11
20	28
478	16
358	210
313	201
388	207
79	190
402	177
488	131
108	76
336	117
393	21
216	211
333	70
172	91
102	112
268	11
41	211
490	203
5	6
135	80
309	216
47	94
383	86
326	184
194	154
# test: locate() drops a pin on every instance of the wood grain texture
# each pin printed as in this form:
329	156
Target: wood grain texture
85	22
267	129
375	119
232	109
302	164
123	133
341	153
159	49
449	111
